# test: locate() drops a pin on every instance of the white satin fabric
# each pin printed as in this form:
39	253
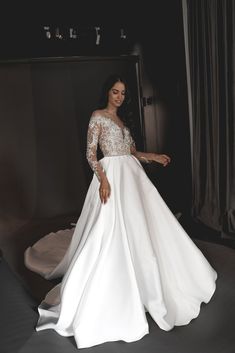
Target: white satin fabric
126	257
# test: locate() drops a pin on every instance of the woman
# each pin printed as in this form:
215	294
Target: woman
128	254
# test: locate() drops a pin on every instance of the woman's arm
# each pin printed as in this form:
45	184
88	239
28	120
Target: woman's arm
92	143
148	157
93	133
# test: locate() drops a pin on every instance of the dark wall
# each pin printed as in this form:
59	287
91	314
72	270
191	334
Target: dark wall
159	31
45	108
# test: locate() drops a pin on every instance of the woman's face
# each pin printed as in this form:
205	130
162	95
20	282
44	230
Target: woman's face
116	94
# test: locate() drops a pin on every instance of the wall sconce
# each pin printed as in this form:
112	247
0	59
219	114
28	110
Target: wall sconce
97	29
62	33
57	33
48	33
123	35
72	33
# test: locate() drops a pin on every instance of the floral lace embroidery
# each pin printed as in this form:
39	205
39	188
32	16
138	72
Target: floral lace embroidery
112	139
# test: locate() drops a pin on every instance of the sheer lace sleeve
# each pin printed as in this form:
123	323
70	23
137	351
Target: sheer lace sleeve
140	155
93	133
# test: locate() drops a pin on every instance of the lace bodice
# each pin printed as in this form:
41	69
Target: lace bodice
112	139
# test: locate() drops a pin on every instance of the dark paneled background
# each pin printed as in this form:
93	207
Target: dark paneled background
106	30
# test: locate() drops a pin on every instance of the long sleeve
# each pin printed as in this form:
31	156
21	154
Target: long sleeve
142	156
93	133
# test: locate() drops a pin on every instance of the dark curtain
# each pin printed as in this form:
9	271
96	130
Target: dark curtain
211	56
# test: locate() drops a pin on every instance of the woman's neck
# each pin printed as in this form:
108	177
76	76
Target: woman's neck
111	110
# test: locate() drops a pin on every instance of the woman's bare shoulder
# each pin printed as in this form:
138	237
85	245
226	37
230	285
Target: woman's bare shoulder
98	113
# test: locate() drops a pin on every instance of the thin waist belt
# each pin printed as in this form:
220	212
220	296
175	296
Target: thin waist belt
118	155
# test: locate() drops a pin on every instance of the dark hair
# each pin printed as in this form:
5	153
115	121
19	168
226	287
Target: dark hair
124	111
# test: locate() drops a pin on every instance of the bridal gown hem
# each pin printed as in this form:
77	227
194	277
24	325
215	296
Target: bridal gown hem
123	259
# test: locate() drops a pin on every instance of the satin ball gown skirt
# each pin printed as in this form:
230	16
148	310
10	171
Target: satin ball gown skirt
126	257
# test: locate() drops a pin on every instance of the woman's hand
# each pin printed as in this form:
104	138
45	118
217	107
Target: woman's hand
104	190
161	158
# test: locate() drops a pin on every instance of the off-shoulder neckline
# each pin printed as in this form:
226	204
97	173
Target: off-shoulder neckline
107	117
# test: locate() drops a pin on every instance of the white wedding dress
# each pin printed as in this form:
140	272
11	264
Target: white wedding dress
125	258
